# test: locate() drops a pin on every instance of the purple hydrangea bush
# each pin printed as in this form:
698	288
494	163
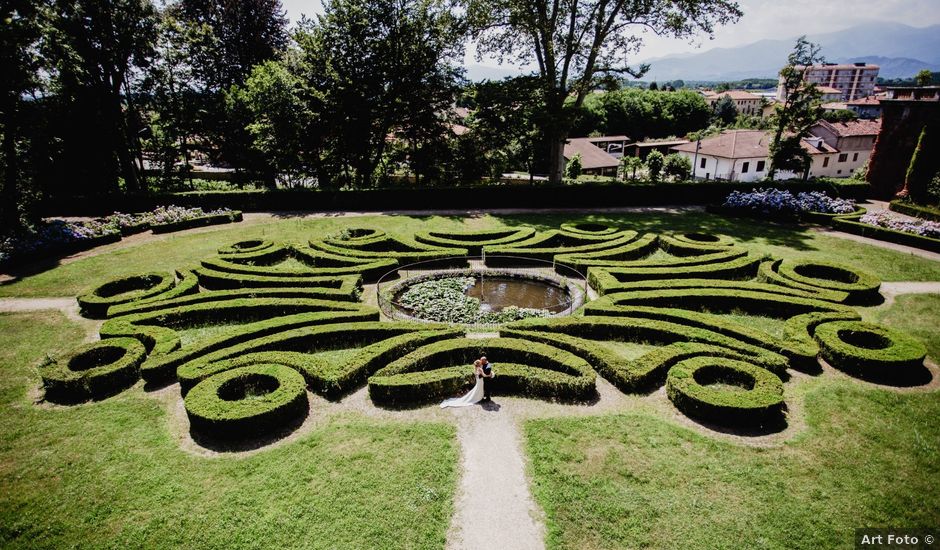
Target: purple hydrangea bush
56	234
923	228
782	202
51	235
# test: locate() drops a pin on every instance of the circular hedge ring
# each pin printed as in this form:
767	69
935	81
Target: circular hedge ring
247	401
706	239
245	247
870	352
860	285
93	371
726	391
588	228
128	289
358	234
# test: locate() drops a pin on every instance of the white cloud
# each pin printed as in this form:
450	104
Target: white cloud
763	19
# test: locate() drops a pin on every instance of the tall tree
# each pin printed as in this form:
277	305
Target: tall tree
726	111
923	77
799	111
232	36
385	68
575	41
20	31
94	47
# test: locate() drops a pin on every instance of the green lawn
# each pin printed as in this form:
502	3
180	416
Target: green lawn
112	474
867	457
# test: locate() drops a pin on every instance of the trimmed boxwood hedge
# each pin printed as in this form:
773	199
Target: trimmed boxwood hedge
308	339
931	213
706	240
522	367
131	288
647	371
663	284
768	273
474	241
544	246
611	257
318	264
861	287
384	247
247	402
588	228
155	329
335	380
607	279
869	351
214	219
337	287
93	371
717	300
691	385
243	247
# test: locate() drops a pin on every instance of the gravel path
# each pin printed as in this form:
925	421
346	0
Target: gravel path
494	509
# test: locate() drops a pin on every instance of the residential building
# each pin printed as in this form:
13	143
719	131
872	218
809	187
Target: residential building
738	155
745	102
643	148
594	160
829	94
612	145
866	107
854	141
744	155
853	80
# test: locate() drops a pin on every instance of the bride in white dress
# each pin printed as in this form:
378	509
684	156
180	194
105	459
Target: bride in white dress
473	396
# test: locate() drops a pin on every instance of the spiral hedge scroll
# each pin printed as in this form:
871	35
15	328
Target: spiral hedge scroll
285	320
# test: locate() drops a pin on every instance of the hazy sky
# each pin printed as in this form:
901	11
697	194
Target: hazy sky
762	19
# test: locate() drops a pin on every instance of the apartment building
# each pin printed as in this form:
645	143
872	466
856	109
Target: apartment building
853	80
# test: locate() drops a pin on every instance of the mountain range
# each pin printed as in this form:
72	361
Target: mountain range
900	50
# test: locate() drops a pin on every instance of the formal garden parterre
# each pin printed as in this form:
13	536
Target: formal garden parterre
296	322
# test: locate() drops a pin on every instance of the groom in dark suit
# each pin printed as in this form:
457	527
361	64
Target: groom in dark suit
487	378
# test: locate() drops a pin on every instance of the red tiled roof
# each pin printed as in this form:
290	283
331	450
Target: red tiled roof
731	144
733	94
852	128
868	100
833	106
591	155
738	144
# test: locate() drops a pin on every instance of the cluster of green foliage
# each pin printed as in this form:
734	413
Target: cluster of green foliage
445	300
642	114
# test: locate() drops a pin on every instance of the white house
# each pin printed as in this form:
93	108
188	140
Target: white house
743	155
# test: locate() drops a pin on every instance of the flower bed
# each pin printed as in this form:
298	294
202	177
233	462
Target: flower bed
782	204
56	237
919	227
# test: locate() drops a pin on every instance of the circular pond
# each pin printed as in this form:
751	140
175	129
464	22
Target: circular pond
481	296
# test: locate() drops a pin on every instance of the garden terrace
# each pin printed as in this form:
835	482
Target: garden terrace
698	334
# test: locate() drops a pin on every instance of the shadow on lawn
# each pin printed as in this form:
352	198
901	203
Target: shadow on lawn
15	273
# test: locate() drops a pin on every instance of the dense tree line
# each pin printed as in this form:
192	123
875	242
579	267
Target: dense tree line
111	96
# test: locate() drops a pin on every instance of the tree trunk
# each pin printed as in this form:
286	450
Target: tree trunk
10	220
556	158
122	146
